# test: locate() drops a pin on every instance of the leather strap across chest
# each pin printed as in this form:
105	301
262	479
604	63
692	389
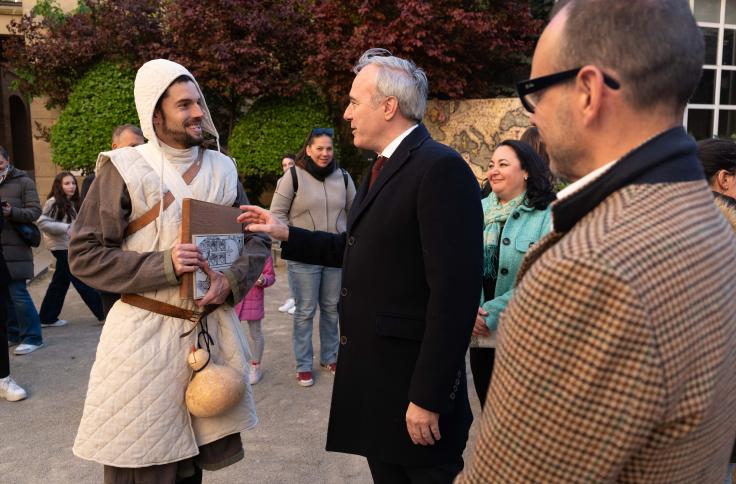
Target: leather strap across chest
154	212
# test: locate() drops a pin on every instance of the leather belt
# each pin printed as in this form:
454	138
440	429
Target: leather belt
162	308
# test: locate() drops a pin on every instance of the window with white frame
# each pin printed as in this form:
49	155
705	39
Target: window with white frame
712	109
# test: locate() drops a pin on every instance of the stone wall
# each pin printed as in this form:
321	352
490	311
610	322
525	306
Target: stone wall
475	126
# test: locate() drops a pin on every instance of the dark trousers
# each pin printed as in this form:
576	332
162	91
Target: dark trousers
108	299
481	365
53	301
385	473
4	360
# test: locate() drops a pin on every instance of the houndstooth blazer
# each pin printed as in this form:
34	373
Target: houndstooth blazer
617	354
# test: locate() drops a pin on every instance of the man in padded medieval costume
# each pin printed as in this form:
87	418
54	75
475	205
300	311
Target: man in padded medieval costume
126	240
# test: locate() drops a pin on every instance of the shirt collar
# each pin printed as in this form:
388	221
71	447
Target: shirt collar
670	157
573	188
389	150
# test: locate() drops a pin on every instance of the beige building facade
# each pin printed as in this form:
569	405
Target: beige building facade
22	121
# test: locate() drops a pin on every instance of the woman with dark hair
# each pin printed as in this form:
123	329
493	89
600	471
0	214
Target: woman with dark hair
55	222
315	195
516	215
718	157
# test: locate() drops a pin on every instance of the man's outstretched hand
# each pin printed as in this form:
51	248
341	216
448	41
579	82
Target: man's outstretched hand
258	219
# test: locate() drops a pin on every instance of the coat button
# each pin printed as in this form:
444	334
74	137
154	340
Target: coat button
344	292
351	241
452	396
506	241
516	215
343	340
454	388
504	271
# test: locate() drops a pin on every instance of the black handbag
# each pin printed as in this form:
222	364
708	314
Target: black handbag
29	233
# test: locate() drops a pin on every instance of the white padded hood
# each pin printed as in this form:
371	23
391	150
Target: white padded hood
151	81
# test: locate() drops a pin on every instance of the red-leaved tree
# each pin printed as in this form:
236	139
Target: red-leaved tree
239	49
51	52
469	49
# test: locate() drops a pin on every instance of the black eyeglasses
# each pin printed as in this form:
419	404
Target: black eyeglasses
321	132
530	90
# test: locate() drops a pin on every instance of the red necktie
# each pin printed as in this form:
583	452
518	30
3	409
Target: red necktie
377	166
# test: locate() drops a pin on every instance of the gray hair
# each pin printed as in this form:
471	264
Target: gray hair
400	78
118	131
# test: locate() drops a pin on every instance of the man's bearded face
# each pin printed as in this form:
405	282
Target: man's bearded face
179	121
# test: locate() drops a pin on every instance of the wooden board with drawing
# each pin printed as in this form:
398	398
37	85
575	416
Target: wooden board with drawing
204	218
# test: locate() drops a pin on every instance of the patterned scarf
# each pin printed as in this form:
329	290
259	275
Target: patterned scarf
4	173
495	215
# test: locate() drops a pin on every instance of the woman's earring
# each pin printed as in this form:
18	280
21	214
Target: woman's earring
526	177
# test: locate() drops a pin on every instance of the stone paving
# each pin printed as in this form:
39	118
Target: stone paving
287	446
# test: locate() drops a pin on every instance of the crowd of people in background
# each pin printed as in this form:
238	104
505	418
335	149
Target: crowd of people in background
597	312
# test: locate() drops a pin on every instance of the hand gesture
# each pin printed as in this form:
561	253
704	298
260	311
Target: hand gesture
423	425
7	208
258	219
186	258
219	287
481	328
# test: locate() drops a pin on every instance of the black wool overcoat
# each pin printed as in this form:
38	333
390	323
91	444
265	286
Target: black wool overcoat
412	260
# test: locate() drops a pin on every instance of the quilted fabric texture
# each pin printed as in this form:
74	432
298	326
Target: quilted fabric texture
135	414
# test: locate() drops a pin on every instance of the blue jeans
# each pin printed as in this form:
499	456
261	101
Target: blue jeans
314	285
24	325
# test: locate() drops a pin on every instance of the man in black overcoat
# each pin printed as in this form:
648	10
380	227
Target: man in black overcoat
411	259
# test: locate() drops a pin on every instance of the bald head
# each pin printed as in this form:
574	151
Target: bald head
654	48
127	135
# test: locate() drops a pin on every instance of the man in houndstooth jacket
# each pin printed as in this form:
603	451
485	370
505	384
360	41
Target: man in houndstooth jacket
617	354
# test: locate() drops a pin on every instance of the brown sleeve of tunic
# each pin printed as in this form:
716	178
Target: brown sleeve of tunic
244	272
95	253
578	384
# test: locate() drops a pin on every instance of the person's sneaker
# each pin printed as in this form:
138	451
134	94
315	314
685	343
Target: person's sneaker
58	322
329	367
292	310
10	391
287	305
254	373
24	349
304	378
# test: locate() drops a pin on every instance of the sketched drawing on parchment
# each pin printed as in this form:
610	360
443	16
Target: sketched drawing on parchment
220	251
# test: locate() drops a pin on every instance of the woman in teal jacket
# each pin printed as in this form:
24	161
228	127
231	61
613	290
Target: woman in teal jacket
516	215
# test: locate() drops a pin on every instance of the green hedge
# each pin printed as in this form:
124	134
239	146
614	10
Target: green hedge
274	126
100	101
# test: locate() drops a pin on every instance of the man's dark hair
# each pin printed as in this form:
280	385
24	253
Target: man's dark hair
4	153
654	48
539	190
178	80
716	155
117	132
289	155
